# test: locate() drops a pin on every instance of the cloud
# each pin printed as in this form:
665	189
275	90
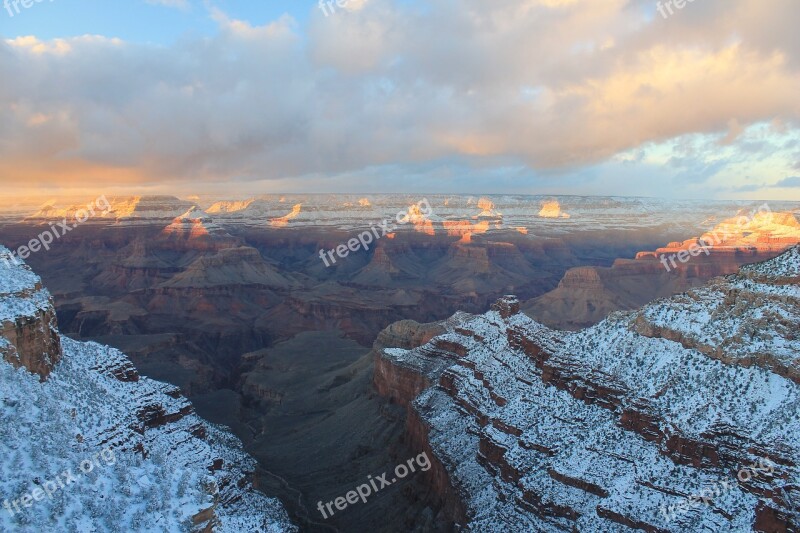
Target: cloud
554	86
794	181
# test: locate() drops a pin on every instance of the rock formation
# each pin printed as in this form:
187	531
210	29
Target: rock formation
196	230
586	295
552	209
27	319
67	404
682	416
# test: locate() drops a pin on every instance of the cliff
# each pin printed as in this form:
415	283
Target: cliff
623	425
402	381
27	319
142	459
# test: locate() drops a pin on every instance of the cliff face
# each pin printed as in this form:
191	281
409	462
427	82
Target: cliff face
626	424
64	403
27	319
195	230
750	319
392	381
402	382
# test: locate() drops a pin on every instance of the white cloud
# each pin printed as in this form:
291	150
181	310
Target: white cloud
548	84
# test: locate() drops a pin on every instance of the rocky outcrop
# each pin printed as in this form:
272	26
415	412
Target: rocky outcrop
506	306
621	424
242	266
36	344
407	334
90	403
196	230
27	319
147	209
402	384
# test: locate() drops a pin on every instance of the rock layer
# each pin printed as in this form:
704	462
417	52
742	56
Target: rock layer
620	426
27	319
586	295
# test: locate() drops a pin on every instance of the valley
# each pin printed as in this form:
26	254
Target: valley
240	314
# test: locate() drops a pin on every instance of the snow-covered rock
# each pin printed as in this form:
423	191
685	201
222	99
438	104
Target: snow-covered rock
90	445
624	425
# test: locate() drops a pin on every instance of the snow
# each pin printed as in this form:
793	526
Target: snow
720	380
15	277
787	265
743	318
48	428
82	412
352	212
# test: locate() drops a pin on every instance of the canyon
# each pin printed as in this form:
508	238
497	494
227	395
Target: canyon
229	302
68	401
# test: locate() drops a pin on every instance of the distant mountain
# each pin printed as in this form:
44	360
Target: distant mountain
229	267
451	214
682	416
196	230
586	295
87	444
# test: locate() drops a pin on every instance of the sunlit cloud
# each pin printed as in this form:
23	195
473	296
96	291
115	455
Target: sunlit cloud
547	93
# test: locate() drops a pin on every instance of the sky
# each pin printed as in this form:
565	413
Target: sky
236	98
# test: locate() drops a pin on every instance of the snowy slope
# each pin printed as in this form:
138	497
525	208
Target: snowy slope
137	458
615	428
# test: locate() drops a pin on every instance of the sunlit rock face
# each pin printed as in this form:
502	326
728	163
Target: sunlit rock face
147	209
586	295
230	206
284	221
459	228
761	232
48	211
123	210
488	210
552	209
196	230
619	425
